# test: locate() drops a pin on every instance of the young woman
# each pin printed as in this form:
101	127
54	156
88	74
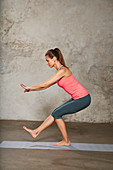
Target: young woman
80	97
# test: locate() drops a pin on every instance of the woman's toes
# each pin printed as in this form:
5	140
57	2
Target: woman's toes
26	128
62	143
58	144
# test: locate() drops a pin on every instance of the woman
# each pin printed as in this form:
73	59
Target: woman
80	97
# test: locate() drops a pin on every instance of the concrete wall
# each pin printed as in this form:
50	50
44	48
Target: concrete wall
82	29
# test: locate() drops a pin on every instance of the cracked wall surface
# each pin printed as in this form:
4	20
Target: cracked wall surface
82	29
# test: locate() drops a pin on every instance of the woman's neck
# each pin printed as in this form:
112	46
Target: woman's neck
57	66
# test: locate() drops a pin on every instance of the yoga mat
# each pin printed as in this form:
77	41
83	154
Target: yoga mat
49	146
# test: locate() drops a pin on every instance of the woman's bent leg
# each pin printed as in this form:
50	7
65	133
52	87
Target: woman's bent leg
62	127
70	107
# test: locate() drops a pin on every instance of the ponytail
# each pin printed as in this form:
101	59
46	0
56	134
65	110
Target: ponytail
61	59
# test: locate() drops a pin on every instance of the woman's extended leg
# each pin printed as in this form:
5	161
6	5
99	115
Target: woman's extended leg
34	133
62	127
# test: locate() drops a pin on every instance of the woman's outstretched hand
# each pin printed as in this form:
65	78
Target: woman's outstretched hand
27	89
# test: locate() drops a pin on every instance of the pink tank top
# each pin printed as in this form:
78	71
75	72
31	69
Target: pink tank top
72	87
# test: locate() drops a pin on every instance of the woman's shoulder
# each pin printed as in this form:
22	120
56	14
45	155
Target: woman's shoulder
67	72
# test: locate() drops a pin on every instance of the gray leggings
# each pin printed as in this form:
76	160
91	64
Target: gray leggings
71	106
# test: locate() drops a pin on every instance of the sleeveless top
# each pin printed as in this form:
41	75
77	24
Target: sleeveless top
72	86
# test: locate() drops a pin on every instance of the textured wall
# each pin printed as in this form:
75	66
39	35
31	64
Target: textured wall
82	29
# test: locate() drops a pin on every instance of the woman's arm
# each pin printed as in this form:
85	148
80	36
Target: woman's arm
58	75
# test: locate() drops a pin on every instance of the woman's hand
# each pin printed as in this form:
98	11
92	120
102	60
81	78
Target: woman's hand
27	89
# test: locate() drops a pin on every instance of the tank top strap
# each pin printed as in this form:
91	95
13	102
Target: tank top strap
61	67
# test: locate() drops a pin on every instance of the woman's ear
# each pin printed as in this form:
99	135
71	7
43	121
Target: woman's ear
54	58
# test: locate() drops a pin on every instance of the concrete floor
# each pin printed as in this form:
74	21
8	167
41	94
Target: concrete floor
22	159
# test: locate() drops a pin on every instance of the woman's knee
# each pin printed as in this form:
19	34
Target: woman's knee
56	115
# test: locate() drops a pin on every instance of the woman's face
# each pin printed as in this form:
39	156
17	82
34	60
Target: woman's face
50	62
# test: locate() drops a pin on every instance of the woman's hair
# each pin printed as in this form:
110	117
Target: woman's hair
56	53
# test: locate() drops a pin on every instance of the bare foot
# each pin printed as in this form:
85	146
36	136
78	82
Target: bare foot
63	143
32	132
